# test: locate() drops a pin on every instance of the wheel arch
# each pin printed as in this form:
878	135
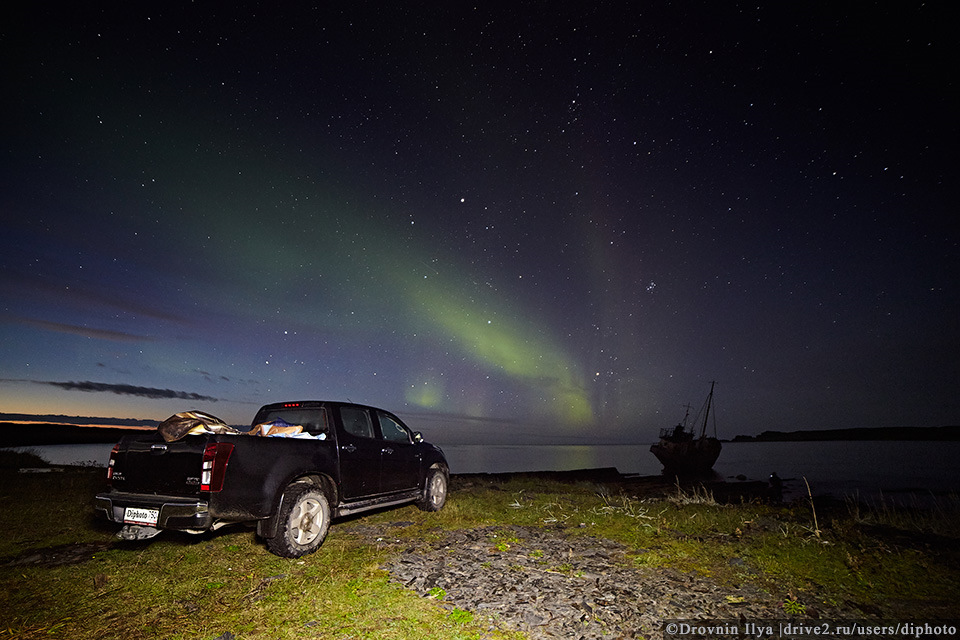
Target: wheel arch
267	527
427	500
439	464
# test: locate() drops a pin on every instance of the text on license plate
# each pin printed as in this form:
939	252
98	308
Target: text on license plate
135	515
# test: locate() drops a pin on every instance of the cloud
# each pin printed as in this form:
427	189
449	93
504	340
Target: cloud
23	283
86	332
127	390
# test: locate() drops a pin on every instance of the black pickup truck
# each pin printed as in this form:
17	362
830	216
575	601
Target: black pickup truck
345	458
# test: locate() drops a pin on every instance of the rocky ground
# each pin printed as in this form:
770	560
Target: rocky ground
552	585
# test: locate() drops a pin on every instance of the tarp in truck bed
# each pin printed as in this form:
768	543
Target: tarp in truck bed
190	423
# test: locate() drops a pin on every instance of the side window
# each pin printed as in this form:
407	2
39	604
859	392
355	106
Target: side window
356	422
393	430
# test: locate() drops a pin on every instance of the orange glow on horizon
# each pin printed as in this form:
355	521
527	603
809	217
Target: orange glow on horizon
74	424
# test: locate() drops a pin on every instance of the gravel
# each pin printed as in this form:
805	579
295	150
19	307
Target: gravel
550	584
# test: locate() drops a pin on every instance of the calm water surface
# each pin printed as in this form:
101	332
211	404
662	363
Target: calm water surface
838	468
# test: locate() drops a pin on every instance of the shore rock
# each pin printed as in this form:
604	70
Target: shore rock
550	584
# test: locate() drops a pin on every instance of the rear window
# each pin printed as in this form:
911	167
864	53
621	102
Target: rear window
312	420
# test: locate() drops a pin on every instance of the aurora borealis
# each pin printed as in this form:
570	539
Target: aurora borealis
545	220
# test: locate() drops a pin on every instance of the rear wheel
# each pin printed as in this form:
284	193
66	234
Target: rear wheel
434	491
303	521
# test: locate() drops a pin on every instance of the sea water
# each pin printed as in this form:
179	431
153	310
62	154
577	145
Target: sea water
866	468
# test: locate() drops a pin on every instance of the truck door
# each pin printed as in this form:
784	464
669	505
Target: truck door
399	456
359	453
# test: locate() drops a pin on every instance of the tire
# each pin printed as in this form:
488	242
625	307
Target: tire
303	521
434	491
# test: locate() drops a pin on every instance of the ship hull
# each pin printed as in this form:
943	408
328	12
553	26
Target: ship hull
688	456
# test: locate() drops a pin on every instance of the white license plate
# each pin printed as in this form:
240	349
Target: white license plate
134	515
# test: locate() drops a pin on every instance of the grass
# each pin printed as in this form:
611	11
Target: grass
27	458
181	586
47	509
178	589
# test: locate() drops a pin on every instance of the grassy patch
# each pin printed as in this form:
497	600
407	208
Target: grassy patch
181	586
25	459
49	509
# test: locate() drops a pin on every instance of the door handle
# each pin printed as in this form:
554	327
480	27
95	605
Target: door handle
349	448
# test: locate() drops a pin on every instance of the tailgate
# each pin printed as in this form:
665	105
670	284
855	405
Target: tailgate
147	464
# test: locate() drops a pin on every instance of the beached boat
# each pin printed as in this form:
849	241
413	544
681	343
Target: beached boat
682	450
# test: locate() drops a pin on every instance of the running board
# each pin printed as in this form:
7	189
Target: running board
376	503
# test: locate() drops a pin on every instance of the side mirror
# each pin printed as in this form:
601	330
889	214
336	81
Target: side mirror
417	437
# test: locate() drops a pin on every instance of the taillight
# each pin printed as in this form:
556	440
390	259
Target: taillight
214	468
113	461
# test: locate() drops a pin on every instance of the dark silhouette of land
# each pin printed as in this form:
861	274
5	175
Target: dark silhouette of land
34	434
865	433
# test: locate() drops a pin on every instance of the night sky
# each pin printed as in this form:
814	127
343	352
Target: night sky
511	221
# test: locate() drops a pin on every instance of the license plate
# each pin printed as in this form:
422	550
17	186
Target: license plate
134	515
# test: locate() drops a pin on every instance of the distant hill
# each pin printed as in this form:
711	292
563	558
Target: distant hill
864	433
28	435
61	419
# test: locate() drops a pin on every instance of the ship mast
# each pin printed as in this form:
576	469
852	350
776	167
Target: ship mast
706	414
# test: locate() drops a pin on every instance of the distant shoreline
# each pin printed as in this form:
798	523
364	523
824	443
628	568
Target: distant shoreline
26	434
13	434
83	421
947	433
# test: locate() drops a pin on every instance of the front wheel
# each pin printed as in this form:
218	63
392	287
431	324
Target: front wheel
304	520
434	491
